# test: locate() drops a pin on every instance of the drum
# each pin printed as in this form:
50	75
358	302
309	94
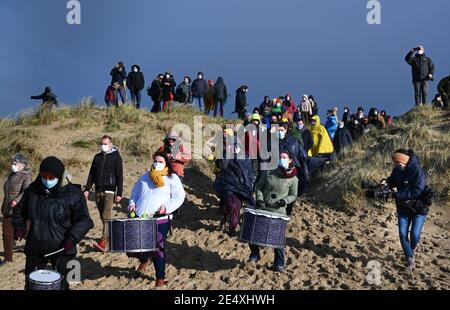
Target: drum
44	280
132	235
264	228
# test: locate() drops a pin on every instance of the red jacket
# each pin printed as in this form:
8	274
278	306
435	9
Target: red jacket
252	144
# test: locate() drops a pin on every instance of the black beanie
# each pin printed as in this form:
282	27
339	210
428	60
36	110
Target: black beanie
53	165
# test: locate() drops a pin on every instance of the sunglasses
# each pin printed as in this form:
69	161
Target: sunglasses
47	175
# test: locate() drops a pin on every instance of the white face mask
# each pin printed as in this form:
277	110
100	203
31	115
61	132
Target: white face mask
167	76
200	77
341	126
15	168
282	134
135	70
186	81
158	166
105	148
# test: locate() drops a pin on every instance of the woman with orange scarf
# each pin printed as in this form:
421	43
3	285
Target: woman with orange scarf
158	193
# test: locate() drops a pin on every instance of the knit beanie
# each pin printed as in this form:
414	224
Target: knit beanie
53	165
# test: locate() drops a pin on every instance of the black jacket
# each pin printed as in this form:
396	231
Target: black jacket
342	139
236	176
135	80
106	173
46	98
241	100
199	88
168	87
55	217
117	76
220	90
155	90
421	66
444	86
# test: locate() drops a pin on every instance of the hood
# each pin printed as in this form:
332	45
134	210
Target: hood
413	162
316	118
219	80
136	66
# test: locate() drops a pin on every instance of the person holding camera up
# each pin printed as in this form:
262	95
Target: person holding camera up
177	153
410	180
422	71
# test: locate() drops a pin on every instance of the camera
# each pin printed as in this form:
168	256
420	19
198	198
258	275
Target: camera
379	191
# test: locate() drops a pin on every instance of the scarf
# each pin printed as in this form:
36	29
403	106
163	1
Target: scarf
158	176
290	172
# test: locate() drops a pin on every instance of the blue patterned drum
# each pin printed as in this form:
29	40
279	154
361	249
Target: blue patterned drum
264	228
132	235
44	280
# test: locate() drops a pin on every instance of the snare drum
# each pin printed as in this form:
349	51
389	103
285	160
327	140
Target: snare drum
44	280
264	228
132	235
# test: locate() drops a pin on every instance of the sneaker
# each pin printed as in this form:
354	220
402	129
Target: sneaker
101	245
411	264
254	259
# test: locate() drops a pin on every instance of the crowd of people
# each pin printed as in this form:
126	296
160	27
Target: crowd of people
51	212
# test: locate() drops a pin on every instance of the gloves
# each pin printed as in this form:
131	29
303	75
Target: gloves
260	204
20	234
281	203
69	246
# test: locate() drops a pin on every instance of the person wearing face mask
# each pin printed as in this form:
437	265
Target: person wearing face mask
221	95
234	182
241	102
184	94
300	132
157	193
376	119
306	108
58	216
361	117
17	181
422	68
444	91
168	91
331	123
136	84
346	117
252	148
322	150
275	191
119	75
106	175
289	105
155	92
198	89
342	138
409	179
177	153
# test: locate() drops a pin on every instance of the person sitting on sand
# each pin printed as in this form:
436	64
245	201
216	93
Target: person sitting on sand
158	194
409	179
274	192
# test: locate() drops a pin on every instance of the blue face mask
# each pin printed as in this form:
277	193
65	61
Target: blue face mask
49	183
300	126
284	163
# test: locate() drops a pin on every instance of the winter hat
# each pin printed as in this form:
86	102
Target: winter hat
298	117
20	159
210	82
400	158
256	117
53	165
229	132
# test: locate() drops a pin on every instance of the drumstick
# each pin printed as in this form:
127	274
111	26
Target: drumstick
53	253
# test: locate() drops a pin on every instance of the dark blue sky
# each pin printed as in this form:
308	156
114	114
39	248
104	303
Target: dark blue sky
320	47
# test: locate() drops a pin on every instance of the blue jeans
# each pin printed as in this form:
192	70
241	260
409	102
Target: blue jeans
136	98
122	93
279	255
200	102
219	105
405	222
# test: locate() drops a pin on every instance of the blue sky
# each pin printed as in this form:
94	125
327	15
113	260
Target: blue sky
320	47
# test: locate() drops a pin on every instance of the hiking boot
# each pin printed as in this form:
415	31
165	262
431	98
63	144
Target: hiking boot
101	245
160	282
411	264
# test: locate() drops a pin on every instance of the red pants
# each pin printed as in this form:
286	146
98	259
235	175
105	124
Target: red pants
167	105
230	205
8	238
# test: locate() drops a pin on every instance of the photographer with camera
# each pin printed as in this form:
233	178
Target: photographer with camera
412	199
177	153
422	71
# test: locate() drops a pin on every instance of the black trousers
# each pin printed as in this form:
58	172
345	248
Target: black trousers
421	92
59	263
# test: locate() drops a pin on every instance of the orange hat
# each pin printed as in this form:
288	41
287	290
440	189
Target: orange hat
400	158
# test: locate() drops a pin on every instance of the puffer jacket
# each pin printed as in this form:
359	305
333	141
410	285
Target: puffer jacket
14	187
321	139
55	217
274	186
331	125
